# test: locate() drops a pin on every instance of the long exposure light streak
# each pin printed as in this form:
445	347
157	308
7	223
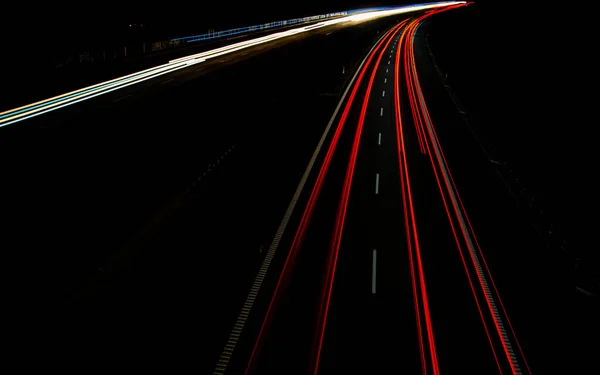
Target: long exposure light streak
60	101
458	219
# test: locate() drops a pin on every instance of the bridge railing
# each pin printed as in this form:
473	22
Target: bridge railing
141	49
265	26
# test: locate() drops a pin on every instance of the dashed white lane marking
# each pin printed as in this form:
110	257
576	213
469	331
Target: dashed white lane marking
374	279
381	112
385	80
377	183
329	33
379	140
386	70
388	62
167	81
383	93
240	322
210	167
199	69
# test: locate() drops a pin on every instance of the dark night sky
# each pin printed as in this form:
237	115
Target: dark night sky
72	23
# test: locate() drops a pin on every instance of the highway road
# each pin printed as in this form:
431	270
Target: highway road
384	269
213	219
118	209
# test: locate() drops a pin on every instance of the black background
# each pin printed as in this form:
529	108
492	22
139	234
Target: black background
69	24
527	75
526	71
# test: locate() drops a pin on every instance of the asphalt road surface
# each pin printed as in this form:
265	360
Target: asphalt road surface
397	227
370	322
151	228
135	222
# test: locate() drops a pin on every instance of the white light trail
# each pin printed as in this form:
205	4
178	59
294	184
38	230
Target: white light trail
44	106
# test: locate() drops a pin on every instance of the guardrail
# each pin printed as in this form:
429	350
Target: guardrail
270	25
143	48
139	49
265	26
537	212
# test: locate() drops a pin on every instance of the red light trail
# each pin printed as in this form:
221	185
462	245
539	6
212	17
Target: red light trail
478	275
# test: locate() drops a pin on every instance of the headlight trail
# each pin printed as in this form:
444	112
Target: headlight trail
60	101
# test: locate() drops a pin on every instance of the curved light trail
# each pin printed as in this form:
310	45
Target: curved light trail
504	346
459	222
60	101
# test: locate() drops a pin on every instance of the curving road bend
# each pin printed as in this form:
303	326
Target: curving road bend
383	269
